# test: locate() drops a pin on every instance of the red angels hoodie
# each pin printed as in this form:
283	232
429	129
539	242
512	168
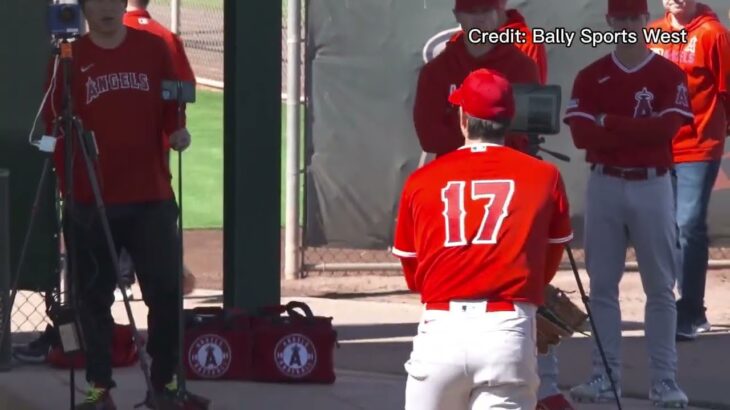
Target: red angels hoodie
536	52
436	119
705	58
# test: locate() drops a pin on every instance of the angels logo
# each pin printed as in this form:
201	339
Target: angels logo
682	98
210	356
436	44
643	106
295	355
102	84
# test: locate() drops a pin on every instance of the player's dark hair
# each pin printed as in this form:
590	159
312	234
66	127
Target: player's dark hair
82	3
487	130
141	3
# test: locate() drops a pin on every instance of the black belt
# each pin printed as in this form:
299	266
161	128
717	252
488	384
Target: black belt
631	174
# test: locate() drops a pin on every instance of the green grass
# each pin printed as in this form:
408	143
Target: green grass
203	163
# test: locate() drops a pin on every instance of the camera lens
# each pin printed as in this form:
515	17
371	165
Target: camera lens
66	14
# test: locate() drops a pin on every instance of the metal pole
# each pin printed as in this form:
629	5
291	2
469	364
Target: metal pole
5	305
292	243
175	16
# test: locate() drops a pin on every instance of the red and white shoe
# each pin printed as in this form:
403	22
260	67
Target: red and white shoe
555	402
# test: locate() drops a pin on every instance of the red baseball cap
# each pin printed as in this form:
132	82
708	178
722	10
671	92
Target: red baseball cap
627	7
470	5
486	95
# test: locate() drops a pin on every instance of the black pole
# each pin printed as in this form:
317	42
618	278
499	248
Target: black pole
586	302
66	55
5	304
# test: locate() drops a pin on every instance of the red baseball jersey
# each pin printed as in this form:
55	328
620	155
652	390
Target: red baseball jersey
117	94
479	221
141	20
436	119
705	59
654	88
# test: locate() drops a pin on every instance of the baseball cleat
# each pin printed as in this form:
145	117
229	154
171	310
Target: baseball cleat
97	399
596	390
667	394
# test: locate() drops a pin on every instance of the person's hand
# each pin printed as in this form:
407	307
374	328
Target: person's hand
180	139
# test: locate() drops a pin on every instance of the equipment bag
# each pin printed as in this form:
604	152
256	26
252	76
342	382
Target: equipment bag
124	351
217	344
296	348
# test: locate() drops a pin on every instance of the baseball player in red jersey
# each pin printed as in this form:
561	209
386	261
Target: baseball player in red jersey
624	110
436	120
138	17
480	233
698	147
116	88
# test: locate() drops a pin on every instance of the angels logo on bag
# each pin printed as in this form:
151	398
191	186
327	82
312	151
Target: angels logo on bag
295	355
210	356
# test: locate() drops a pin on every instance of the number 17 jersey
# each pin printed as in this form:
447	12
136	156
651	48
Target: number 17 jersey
479	220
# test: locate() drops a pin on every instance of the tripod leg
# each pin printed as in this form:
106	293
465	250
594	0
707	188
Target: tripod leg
593	325
115	259
182	385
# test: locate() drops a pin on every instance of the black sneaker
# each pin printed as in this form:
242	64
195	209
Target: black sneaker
97	399
170	398
686	330
37	350
701	324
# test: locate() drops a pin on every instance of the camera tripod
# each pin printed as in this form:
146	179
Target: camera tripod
534	147
66	317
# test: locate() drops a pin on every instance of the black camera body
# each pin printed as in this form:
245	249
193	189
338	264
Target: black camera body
537	109
64	20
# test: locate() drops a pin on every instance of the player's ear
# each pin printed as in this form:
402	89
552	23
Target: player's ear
463	123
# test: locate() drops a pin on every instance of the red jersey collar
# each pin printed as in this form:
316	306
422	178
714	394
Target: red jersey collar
138	13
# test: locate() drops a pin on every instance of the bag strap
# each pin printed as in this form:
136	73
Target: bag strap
291	306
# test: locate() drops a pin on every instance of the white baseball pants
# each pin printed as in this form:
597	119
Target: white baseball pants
474	360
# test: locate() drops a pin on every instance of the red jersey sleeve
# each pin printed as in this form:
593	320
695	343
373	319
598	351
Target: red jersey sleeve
561	230
677	98
583	103
719	65
405	244
180	59
673	111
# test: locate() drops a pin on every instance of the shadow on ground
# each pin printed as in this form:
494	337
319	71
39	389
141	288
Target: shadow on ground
703	363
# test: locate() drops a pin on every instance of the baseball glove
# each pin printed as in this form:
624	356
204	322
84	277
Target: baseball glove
557	319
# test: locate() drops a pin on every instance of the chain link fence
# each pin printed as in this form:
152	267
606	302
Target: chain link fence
201	29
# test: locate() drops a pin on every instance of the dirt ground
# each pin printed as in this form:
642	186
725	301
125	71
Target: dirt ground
203	255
